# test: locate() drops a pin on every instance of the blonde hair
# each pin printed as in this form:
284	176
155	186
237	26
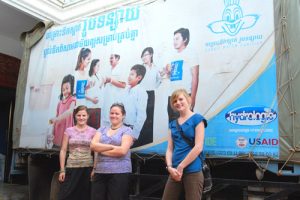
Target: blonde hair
176	94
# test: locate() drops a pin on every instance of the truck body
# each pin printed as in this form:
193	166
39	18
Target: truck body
236	64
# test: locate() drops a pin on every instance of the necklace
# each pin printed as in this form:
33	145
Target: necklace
115	128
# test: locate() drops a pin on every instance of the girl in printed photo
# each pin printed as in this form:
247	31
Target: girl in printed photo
64	110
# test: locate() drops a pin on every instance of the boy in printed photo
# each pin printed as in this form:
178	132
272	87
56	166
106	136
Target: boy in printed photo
135	100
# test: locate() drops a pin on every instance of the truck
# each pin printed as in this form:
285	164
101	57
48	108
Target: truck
239	64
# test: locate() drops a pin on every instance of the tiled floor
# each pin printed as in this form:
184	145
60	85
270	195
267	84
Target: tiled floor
13	192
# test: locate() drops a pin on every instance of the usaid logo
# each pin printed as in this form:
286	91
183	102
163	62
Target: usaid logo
241	142
264	141
251	116
233	19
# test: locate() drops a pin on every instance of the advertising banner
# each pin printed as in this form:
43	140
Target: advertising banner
221	52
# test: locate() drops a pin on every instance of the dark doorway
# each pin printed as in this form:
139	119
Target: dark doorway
9	70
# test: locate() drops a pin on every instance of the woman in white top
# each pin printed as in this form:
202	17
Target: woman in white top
96	80
94	95
81	75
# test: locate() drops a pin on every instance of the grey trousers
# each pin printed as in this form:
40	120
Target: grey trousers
191	184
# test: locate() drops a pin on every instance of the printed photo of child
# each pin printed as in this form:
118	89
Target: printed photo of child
135	103
64	110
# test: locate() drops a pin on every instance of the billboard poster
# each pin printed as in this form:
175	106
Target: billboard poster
221	52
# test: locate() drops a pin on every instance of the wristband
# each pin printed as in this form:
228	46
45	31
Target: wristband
168	166
60	171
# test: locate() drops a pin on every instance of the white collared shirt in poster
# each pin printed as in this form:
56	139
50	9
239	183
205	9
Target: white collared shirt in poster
112	94
135	103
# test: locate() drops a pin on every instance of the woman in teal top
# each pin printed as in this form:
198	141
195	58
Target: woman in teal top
183	162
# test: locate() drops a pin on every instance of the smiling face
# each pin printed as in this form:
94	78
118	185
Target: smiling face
116	116
66	90
113	60
85	61
232	17
133	78
178	42
81	117
147	58
181	102
96	68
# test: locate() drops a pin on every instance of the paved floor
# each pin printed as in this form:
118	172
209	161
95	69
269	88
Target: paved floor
13	192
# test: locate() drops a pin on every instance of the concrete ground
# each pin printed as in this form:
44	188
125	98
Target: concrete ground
13	192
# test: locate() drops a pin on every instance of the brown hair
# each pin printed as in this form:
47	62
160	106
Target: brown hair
119	105
176	94
83	54
79	108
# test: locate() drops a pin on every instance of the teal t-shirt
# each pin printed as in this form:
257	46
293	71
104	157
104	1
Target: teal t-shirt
180	147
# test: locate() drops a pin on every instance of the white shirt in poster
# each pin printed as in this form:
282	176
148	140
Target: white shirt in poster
181	69
152	78
135	103
95	90
112	94
79	77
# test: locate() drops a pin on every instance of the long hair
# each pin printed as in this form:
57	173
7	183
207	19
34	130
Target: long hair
93	64
84	52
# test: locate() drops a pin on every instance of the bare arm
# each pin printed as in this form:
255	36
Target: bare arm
95	160
169	154
99	147
119	151
64	114
62	157
92	99
195	81
196	150
118	84
94	165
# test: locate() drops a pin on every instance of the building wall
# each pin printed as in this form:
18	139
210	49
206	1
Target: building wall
11	47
